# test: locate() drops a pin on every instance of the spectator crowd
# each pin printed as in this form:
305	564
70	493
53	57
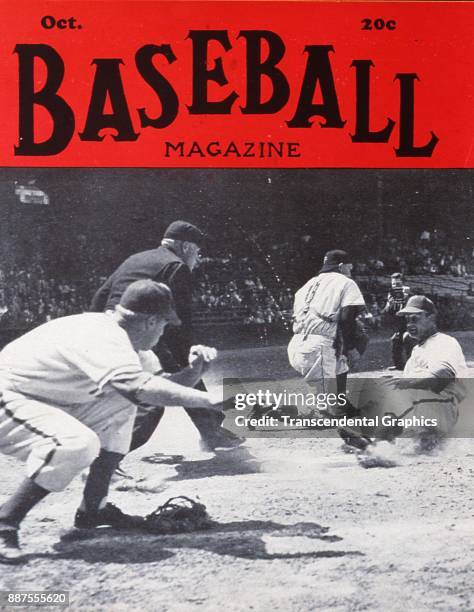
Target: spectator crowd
253	287
28	295
432	253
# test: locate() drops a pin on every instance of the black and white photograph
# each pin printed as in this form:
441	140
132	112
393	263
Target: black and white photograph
239	389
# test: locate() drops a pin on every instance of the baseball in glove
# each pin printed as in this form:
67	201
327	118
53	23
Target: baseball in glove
178	515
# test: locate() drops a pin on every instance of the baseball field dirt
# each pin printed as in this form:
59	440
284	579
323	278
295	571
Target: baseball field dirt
300	524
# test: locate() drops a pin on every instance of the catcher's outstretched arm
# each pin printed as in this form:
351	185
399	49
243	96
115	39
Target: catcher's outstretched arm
145	388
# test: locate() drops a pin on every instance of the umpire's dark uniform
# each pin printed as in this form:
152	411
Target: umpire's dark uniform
163	265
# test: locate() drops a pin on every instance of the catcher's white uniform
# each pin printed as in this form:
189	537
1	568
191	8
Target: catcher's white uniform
316	310
57	409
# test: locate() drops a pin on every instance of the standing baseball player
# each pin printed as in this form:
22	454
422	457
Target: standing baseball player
171	263
401	343
69	390
323	347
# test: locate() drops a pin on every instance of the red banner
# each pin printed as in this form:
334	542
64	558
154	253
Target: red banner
237	84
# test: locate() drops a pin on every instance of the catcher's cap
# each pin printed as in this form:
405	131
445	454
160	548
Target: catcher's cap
332	259
148	297
182	230
417	304
396	275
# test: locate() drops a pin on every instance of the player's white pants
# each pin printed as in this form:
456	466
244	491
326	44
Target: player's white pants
315	359
57	443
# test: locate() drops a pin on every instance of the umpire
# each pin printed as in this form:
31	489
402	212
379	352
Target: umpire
171	263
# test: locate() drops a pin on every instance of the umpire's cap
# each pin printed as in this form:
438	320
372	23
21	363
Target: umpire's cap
182	230
333	259
148	297
417	304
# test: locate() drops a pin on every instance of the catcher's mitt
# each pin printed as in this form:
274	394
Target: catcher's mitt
361	338
178	515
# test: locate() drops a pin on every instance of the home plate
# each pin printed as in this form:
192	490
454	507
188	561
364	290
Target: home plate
304	460
176	435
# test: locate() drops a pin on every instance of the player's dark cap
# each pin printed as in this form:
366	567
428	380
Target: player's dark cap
417	304
333	259
182	230
148	297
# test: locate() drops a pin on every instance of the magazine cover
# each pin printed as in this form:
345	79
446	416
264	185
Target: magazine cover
236	305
